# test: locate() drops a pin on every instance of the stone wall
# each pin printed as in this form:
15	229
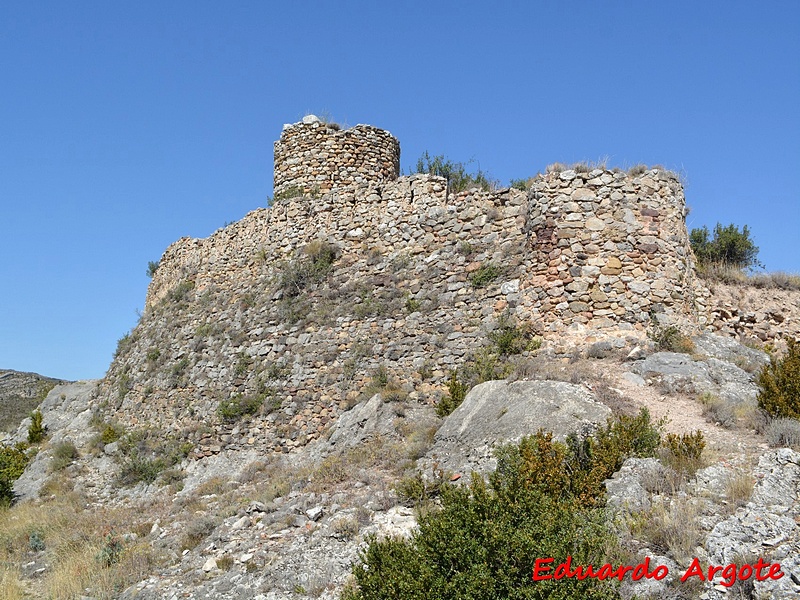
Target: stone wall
579	257
609	247
313	157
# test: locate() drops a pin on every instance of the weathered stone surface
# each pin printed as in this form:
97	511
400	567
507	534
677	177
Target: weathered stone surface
627	489
498	412
66	413
767	526
681	373
727	349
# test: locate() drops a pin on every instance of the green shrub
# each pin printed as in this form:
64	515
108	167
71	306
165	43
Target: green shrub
152	267
457	391
485	274
779	383
146	453
483	541
684	451
727	246
510	338
236	407
576	470
138	468
111	552
181	291
521	184
36	431
13	461
153	354
458	178
123	345
110	432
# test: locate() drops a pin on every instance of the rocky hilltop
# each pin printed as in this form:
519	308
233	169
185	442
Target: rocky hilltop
252	428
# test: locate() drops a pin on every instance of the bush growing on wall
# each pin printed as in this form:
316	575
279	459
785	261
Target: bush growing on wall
458	178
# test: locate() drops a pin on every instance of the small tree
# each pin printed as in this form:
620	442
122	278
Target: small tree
152	267
727	246
780	385
36	430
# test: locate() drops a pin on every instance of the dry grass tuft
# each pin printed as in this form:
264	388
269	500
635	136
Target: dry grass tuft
738	490
716	410
673	528
732	275
10	588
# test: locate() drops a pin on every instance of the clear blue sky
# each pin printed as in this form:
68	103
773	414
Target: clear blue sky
125	126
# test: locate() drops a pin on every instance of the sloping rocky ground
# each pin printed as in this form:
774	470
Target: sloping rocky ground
245	524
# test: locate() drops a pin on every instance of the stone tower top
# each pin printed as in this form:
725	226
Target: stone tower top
313	156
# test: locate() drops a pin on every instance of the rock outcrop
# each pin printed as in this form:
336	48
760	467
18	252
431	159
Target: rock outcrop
497	413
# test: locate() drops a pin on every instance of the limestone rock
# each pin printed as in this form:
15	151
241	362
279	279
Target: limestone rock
497	412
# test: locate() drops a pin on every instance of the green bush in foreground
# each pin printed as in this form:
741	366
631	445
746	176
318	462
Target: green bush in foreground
780	385
13	461
541	502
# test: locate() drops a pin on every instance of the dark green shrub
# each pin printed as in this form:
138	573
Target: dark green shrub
146	453
181	291
521	184
483	541
36	542
485	274
13	461
138	468
236	407
456	392
727	246
111	552
779	384
36	431
152	267
153	354
110	433
510	338
577	469
123	345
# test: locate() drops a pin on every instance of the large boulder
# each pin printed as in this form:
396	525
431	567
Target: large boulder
497	412
729	350
682	373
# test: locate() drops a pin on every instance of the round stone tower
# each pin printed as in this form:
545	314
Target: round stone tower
313	157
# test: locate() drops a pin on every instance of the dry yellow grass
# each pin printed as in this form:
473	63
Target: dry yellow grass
10	588
77	544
